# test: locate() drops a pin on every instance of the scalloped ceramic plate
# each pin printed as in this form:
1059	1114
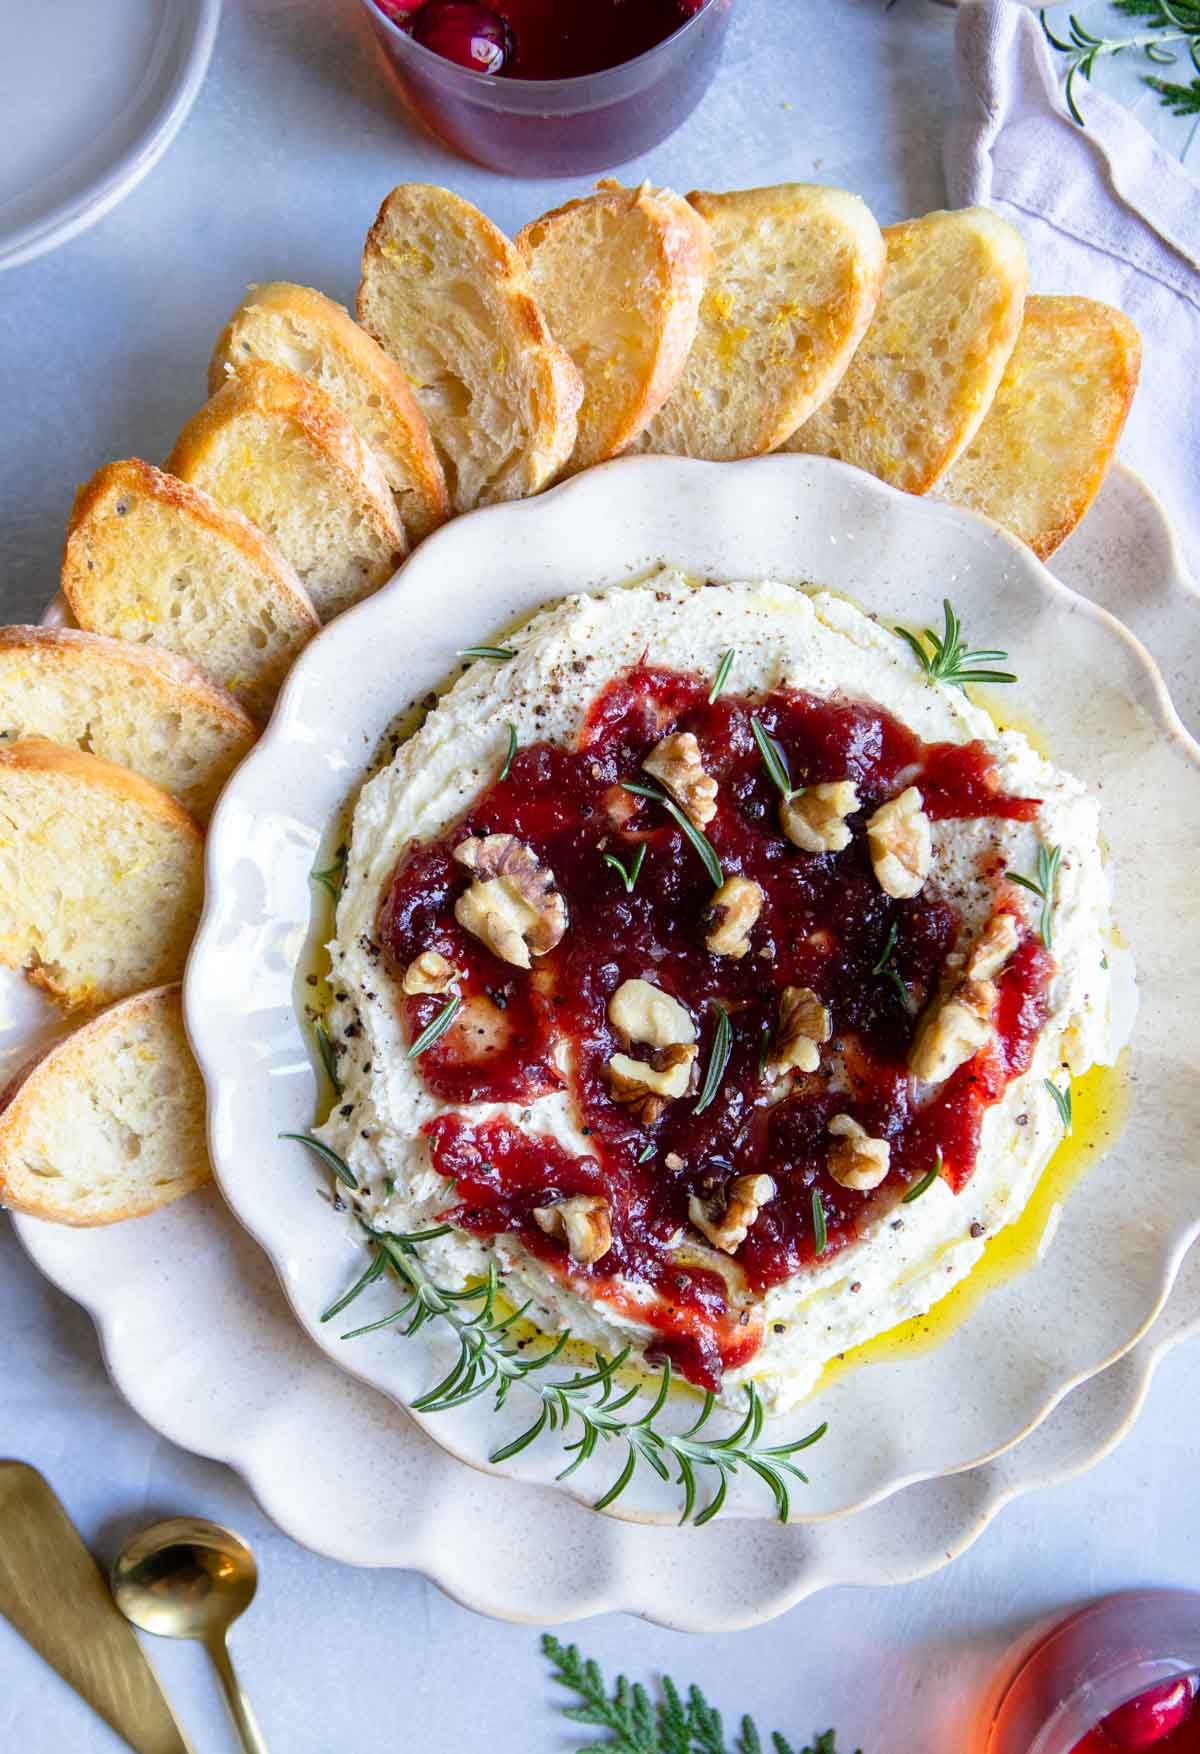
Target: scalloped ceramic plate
245	1387
1102	710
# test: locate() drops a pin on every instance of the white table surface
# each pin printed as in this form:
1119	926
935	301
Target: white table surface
103	349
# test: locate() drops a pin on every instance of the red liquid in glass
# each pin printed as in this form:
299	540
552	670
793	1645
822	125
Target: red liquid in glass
1163	1719
553	40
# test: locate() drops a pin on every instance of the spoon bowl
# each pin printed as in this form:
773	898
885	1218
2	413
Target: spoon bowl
189	1578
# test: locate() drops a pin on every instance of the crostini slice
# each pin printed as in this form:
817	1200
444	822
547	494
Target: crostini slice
101	875
1037	461
931	362
139	706
449	297
279	450
153	561
302	330
795	279
108	1123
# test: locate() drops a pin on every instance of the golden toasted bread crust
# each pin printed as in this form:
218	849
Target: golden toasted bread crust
39	755
35	1084
408	429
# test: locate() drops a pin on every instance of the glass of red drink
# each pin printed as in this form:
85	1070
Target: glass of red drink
1121	1674
576	85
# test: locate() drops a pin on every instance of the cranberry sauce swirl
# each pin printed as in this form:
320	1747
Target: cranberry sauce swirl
825	924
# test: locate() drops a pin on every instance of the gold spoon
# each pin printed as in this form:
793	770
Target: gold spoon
188	1578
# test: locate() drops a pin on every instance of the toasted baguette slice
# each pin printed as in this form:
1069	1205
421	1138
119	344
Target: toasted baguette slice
135	705
1037	462
620	275
108	1124
449	298
101	875
280	451
151	559
932	360
309	334
795	278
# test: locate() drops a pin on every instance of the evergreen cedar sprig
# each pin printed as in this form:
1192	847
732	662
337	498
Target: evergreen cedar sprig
586	1409
945	658
1170	21
675	1723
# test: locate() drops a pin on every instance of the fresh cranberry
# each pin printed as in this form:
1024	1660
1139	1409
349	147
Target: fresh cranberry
472	35
1151	1717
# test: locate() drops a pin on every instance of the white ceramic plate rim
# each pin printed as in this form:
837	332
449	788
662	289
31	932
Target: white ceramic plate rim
103	192
210	1026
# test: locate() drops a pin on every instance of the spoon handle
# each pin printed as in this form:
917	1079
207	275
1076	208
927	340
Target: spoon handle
235	1696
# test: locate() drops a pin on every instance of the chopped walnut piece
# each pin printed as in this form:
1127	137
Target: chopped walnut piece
646	1090
857	1161
815	819
804	1023
953	1032
901	844
640	1011
429	973
733	912
676	764
745	1197
513	906
582	1222
993	947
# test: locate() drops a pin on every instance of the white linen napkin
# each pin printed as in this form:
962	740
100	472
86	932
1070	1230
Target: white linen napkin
1104	212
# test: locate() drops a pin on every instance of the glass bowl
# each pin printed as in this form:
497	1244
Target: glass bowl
558	127
1060	1683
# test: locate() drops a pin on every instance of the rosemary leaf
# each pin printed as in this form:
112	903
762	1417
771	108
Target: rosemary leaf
1062	1102
437	1028
498	654
700	841
722	675
820	1232
628	877
945	658
774	760
338	1165
646	1153
512	750
328	1056
376	1270
718	1059
925	1183
332	877
1048	861
884	965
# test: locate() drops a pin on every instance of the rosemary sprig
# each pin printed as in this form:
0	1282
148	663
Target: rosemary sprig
677	1723
699	840
628	877
722	675
587	1402
820	1232
884	965
1048	861
647	1152
333	876
718	1059
498	654
435	1030
1172	22
341	1169
376	1270
925	1183
774	760
328	1056
948	660
1062	1102
508	759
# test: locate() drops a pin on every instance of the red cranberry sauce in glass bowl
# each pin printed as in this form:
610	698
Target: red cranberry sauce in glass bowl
551	87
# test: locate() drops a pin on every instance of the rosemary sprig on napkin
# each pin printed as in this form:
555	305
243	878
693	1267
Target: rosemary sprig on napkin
1174	33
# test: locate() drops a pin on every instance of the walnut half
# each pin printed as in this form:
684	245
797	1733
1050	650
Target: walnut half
804	1023
993	947
429	973
953	1032
582	1222
677	765
901	844
815	819
513	906
642	1013
857	1161
732	914
745	1197
647	1089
